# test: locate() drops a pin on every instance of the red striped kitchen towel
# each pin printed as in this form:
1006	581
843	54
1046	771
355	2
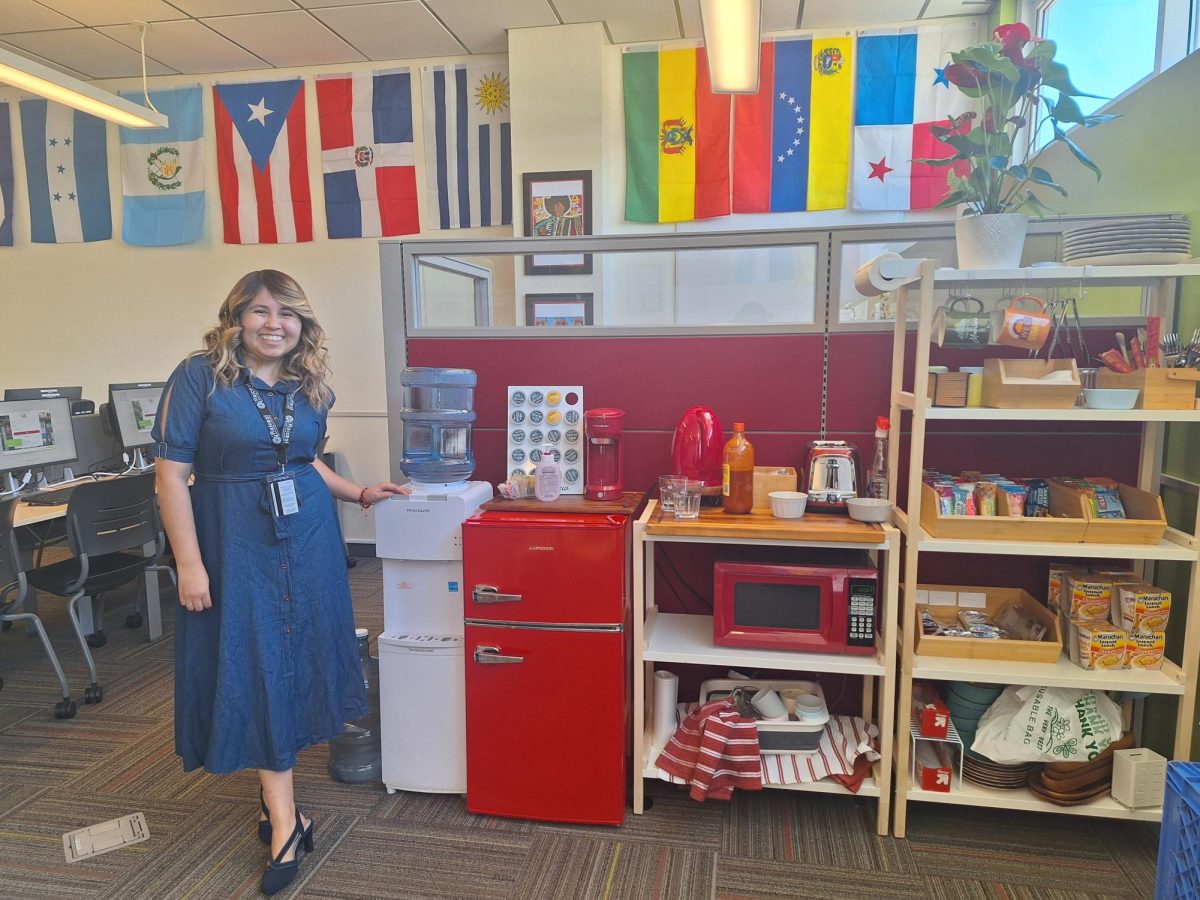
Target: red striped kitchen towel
714	750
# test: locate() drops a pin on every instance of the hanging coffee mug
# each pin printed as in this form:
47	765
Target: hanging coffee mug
962	323
1023	323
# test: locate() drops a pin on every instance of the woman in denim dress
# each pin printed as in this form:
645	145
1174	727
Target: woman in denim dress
266	662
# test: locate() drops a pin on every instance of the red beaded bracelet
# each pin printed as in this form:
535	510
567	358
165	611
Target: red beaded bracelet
362	499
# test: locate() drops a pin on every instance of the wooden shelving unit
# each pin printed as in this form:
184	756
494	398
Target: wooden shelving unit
1178	677
674	638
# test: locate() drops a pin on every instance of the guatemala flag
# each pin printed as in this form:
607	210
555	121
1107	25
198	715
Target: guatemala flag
162	172
6	178
367	153
66	167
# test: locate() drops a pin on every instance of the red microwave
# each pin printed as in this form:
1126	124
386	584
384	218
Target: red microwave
823	604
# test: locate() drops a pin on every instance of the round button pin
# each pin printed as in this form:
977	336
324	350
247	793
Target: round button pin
518	397
518	435
571	416
535	456
536	436
553	398
518	455
536	398
572	436
571	475
571	455
536	416
518	416
553	417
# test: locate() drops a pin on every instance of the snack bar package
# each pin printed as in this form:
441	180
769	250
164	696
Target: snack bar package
1141	607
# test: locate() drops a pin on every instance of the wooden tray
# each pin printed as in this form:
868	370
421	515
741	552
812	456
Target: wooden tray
1000	393
1063	798
1047	650
1062	526
761	525
1067	768
1160	388
1146	521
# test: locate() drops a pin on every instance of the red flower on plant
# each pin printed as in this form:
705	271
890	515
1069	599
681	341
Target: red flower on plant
1015	34
964	75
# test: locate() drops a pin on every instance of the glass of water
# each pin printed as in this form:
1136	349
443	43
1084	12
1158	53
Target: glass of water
687	500
667	486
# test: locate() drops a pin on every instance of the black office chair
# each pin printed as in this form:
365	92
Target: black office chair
107	525
14	589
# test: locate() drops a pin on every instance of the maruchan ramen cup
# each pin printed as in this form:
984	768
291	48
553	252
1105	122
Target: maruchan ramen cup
1058	575
1141	607
1144	649
1099	645
1087	597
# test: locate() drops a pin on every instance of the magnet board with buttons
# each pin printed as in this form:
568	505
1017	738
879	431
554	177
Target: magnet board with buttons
546	416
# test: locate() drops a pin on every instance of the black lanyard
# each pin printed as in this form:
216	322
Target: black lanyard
281	439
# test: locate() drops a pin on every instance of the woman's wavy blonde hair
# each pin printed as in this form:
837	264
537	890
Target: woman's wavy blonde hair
308	363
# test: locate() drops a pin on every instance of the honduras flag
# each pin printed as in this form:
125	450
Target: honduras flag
162	172
370	175
66	167
6	178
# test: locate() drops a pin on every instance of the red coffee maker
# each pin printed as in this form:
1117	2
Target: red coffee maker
604	467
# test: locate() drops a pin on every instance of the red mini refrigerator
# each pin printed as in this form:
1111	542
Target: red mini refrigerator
547	659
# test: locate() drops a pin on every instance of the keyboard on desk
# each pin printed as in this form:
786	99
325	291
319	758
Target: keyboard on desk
51	497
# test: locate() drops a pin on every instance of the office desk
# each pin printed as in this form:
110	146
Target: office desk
26	516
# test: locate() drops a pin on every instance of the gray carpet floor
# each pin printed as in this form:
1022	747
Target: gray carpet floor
117	757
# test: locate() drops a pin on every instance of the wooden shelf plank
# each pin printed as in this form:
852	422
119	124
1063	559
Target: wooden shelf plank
984	414
1162	550
970	794
1062	673
760	526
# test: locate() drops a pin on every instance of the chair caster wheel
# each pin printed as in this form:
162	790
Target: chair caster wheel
97	639
65	709
134	620
93	694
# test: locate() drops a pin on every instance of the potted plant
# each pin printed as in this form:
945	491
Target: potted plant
993	156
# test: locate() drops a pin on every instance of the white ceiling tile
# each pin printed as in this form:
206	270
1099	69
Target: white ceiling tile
202	8
627	20
46	62
481	26
115	12
858	13
938	8
26	15
286	39
87	51
188	47
780	15
391	30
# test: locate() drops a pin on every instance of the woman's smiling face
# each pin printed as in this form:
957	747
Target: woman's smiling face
270	330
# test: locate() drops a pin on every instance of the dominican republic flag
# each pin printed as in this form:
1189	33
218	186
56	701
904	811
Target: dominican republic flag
367	153
902	91
6	178
261	162
468	144
791	140
162	172
66	168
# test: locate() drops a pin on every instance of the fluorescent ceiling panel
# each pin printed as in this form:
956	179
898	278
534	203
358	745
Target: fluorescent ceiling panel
391	30
286	39
87	51
26	15
116	12
188	47
481	26
627	20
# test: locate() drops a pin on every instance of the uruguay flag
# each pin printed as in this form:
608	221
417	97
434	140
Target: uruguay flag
66	168
162	172
367	153
261	154
6	178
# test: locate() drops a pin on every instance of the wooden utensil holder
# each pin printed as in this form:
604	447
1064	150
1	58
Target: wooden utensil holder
1160	388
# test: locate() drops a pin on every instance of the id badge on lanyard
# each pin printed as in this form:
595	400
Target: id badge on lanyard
281	488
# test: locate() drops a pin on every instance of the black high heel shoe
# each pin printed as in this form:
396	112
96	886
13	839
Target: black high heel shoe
280	874
264	825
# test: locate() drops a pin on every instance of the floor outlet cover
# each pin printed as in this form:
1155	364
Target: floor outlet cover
110	835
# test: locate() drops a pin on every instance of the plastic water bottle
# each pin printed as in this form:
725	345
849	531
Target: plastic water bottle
437	417
355	755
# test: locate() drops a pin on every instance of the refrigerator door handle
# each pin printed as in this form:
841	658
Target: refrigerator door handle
493	656
489	593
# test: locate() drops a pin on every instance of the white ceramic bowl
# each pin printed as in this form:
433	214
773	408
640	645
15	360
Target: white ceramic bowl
787	504
869	509
1111	398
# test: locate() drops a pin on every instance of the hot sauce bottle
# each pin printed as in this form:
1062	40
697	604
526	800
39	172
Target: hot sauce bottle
737	472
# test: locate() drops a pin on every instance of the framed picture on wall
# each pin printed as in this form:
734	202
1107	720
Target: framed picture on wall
558	310
558	204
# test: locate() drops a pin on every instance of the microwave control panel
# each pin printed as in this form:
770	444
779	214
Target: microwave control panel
860	613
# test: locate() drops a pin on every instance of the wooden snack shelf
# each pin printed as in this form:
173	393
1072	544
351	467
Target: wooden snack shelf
1057	528
1145	522
1047	650
761	525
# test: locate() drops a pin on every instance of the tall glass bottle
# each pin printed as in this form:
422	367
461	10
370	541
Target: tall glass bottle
737	472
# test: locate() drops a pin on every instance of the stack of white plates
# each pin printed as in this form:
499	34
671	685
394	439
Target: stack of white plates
1159	240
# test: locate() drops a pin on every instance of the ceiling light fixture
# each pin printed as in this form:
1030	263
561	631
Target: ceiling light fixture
732	32
62	88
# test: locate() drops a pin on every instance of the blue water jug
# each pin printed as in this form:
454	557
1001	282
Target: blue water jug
438	414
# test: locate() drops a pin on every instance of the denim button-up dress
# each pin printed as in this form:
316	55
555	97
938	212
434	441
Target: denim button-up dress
273	666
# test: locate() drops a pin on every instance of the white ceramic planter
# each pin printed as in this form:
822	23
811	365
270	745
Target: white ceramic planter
993	241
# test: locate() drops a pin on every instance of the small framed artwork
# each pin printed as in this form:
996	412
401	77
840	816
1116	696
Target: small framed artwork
558	310
558	204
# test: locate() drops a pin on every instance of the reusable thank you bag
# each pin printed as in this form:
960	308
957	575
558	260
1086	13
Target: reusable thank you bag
1047	724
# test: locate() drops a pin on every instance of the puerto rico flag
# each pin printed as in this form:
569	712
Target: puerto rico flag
261	155
370	174
902	91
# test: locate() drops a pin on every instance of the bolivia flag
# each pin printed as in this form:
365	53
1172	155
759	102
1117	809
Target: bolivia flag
791	141
676	138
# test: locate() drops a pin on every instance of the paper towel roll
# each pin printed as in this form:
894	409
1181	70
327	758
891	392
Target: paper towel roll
666	694
870	282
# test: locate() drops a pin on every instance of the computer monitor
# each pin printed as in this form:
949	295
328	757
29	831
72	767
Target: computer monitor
44	393
133	408
34	434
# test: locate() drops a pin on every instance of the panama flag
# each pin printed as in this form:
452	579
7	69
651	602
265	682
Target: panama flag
468	144
676	138
367	153
791	140
261	162
162	172
66	168
6	178
902	91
